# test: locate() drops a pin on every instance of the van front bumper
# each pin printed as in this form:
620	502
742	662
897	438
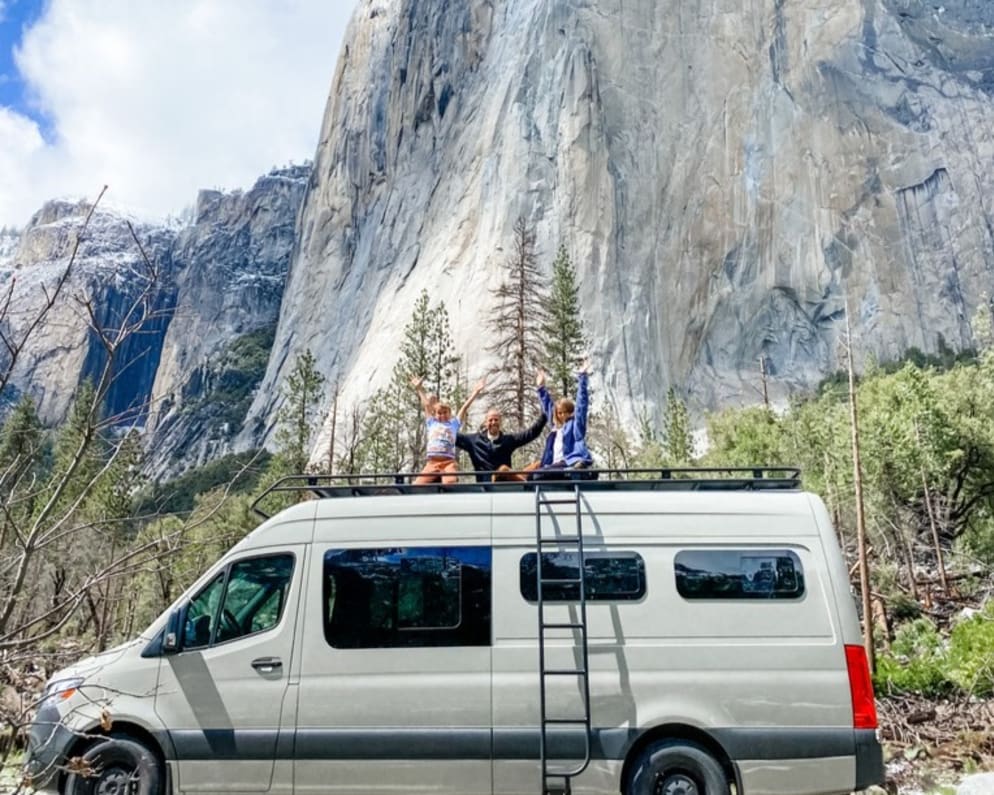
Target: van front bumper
48	743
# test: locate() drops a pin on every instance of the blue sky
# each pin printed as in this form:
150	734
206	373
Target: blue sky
158	98
15	15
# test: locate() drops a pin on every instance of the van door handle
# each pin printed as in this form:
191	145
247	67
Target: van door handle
267	665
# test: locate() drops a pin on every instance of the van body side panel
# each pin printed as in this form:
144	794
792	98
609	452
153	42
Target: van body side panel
371	720
845	598
717	665
223	715
797	776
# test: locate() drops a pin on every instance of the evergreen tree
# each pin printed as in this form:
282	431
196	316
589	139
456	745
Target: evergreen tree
563	329
679	441
426	351
387	434
79	450
516	323
21	445
298	417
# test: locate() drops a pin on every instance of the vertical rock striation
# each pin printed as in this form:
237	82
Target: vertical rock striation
723	173
231	268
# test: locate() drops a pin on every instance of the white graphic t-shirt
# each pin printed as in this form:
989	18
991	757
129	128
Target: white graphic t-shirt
442	437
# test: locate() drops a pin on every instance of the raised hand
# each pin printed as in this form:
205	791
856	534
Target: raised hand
417	381
480	386
584	367
540	378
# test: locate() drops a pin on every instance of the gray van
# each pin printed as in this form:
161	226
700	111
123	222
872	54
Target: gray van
671	633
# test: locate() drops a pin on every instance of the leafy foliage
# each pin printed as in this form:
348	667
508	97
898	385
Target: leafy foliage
916	662
563	328
297	419
178	495
392	433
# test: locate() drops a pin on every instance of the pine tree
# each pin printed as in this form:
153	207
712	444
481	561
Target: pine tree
79	449
563	330
426	351
517	322
679	441
387	434
21	444
297	418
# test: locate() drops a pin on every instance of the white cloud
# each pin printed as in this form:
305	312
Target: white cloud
159	99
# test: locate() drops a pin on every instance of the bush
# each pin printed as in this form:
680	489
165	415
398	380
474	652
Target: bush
971	653
916	662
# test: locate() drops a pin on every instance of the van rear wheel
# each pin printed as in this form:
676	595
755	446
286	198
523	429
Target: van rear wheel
673	767
117	766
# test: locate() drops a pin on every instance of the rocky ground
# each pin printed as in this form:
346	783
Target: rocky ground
943	747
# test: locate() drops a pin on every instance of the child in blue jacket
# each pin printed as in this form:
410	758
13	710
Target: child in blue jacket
566	447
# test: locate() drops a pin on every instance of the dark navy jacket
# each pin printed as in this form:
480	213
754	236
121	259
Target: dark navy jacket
488	455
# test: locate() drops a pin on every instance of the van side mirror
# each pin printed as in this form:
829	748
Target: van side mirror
171	634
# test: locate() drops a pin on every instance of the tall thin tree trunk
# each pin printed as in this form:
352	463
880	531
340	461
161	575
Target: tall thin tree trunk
334	425
864	565
935	535
762	375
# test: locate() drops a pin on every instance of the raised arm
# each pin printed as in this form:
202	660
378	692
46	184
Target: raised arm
548	407
582	398
417	382
477	391
531	433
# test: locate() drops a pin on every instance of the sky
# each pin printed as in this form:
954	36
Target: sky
158	98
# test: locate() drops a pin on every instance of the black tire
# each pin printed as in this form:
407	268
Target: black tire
674	767
119	766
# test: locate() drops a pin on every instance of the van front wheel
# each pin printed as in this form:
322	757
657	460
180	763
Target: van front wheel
116	766
672	767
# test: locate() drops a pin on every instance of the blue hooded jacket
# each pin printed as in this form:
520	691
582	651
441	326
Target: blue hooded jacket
574	447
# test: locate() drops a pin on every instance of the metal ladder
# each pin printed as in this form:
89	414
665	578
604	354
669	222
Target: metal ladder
556	780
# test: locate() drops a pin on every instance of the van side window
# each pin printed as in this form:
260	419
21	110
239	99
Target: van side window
608	576
407	597
739	574
254	592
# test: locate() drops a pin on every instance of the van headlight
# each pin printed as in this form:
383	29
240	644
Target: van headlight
60	689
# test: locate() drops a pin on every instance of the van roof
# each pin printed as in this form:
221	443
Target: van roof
709	479
784	514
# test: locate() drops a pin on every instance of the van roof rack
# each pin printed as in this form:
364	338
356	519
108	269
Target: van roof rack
755	478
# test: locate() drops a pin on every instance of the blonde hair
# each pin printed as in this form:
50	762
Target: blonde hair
565	408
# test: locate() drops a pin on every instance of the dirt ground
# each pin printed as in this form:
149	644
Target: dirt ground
931	745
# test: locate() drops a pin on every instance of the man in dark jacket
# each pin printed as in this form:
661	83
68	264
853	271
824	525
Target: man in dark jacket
491	448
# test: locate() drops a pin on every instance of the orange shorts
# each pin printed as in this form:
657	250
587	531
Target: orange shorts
434	467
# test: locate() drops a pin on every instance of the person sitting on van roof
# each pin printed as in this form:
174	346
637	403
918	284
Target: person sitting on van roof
490	449
442	430
566	446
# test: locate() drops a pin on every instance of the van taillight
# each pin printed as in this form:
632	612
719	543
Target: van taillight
864	710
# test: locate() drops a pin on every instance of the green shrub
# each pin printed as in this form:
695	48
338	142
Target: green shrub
971	653
904	607
916	662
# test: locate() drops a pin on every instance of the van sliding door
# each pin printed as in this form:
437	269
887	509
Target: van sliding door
395	670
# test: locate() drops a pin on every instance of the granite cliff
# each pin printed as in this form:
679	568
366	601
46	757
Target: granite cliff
188	377
723	173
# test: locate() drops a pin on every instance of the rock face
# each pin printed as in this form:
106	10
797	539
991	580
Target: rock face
107	279
232	264
191	373
723	173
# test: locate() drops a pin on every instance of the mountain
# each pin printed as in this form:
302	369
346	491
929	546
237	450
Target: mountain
232	263
723	174
107	280
213	304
